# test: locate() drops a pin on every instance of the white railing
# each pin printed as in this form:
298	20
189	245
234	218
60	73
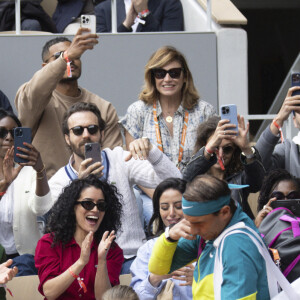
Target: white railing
113	16
287	128
18	16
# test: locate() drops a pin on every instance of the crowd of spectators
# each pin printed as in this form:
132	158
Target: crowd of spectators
170	205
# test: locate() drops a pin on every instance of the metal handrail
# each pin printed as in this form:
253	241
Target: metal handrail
288	128
114	16
18	16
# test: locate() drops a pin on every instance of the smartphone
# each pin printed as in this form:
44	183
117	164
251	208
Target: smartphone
92	150
88	21
21	135
229	111
296	82
293	205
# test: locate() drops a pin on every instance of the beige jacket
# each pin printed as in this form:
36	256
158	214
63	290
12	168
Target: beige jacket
41	108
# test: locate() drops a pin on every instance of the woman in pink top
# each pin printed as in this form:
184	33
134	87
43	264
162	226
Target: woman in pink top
78	258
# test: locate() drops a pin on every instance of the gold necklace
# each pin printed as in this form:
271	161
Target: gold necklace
169	119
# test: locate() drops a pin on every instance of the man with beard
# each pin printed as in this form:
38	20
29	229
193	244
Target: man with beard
82	124
42	102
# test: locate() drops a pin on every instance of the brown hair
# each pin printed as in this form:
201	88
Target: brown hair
120	292
205	188
204	132
159	59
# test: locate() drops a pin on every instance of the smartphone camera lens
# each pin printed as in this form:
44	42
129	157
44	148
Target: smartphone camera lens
225	110
18	132
88	147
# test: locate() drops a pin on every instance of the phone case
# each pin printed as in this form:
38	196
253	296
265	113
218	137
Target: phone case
88	21
21	135
295	82
229	111
93	150
292	205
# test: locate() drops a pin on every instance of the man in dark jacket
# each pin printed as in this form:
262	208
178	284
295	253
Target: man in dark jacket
141	15
33	16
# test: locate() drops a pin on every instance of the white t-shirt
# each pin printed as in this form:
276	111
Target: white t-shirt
7	239
127	7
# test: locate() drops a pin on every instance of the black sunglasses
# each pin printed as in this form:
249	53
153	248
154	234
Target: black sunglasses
161	73
89	205
55	55
4	132
227	149
281	196
78	130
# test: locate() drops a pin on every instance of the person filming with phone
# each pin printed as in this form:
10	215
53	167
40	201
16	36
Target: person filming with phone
42	101
144	164
24	194
284	155
224	151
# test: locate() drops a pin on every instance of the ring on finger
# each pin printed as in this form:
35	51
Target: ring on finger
265	207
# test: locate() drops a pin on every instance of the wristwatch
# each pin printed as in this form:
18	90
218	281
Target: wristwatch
168	236
252	155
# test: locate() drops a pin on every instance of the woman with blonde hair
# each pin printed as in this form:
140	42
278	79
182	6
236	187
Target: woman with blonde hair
169	110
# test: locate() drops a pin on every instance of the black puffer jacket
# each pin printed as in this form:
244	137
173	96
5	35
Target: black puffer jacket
29	10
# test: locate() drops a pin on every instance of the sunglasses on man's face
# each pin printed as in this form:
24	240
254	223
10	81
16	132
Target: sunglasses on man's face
281	196
89	205
161	73
78	130
55	55
4	132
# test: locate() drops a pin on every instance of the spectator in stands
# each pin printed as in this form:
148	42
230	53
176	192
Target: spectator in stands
168	112
78	257
278	185
7	273
209	211
167	212
42	101
141	15
284	155
221	153
24	194
120	292
67	14
82	124
33	16
4	102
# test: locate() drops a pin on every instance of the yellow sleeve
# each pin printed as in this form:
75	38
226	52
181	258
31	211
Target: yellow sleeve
162	255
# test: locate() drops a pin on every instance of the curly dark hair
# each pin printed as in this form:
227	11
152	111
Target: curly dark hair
169	183
62	219
204	132
271	180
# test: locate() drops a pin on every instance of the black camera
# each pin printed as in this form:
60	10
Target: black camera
85	20
225	110
18	132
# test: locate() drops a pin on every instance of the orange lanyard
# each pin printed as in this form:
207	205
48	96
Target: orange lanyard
158	136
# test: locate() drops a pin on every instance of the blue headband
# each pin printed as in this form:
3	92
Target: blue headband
197	209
